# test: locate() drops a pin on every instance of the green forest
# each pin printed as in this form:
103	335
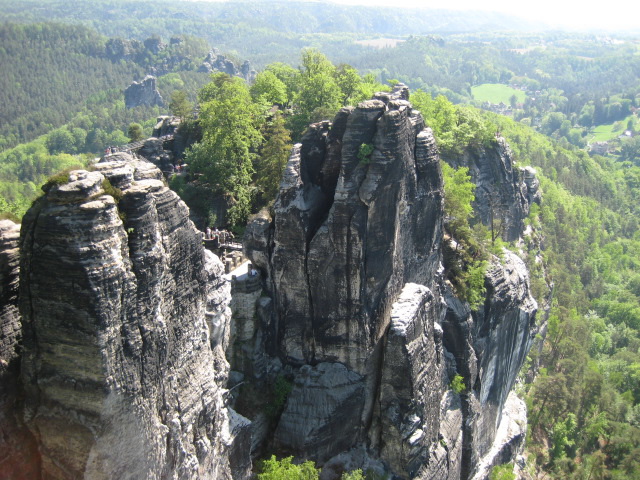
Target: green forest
551	95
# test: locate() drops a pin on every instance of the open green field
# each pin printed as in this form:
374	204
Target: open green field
609	131
496	93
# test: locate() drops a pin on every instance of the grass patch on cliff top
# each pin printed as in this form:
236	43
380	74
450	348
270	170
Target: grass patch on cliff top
60	178
109	189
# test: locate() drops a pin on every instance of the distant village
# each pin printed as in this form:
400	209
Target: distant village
594	148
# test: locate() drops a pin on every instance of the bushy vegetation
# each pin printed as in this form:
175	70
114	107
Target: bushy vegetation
285	469
457	384
279	393
502	472
247	132
584	402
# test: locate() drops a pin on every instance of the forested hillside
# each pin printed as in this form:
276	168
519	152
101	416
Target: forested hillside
113	17
48	73
52	72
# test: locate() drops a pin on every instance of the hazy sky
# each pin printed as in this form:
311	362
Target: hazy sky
573	14
618	14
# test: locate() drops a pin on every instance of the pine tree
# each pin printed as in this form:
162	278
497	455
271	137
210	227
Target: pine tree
273	160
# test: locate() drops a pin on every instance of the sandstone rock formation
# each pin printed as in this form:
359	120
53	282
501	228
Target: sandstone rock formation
490	345
143	93
359	309
126	319
503	192
125	322
18	450
216	62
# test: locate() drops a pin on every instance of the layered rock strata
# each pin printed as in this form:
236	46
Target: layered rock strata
124	333
490	345
360	310
18	450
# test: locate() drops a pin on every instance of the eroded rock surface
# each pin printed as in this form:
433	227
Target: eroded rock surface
216	62
18	450
352	262
123	377
503	192
490	345
144	93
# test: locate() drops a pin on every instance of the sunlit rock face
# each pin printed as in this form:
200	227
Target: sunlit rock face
361	313
122	376
144	93
350	230
504	193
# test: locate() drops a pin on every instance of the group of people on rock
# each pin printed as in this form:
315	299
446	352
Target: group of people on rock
180	168
220	237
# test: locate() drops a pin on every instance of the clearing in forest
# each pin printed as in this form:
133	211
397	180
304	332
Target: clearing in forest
496	93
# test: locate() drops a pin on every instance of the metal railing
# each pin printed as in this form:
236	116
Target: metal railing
135	146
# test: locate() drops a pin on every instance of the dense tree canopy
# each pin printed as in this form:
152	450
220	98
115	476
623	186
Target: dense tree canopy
230	124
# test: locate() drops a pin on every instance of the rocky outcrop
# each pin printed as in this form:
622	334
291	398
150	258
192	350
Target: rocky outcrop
490	345
143	93
216	62
18	450
361	313
166	125
411	384
323	411
510	437
125	327
156	151
350	231
503	192
172	142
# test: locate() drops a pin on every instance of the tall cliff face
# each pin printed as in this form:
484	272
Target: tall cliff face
18	450
361	313
349	232
490	345
122	376
503	192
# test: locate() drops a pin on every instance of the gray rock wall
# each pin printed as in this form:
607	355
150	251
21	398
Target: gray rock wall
120	375
411	384
19	456
348	233
503	191
351	259
144	93
490	345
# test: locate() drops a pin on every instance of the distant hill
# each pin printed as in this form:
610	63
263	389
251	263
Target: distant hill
48	71
109	17
262	32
